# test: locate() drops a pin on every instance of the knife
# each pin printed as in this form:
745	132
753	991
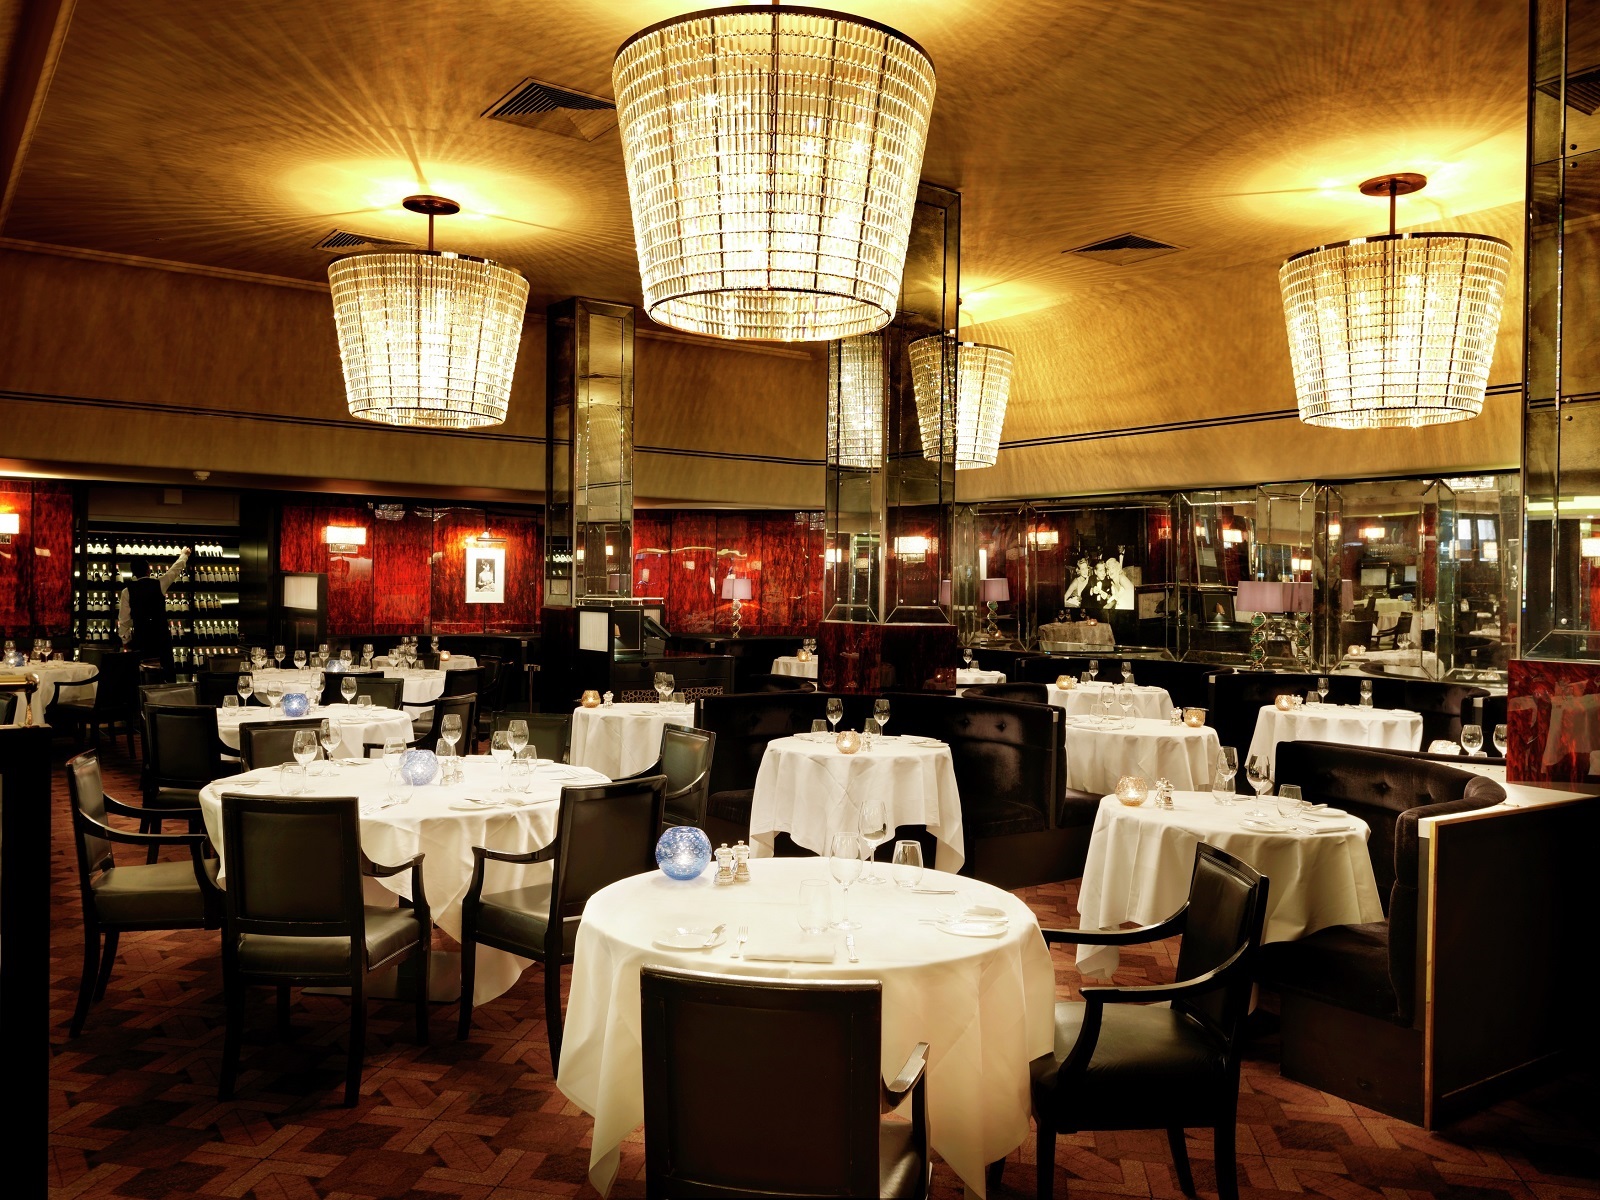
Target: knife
850	947
711	938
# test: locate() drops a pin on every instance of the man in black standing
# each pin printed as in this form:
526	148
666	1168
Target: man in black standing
142	612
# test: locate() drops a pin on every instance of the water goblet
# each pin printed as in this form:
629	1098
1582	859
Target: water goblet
873	828
835	712
1094	669
299	660
880	712
277	655
450	731
305	747
1258	770
1502	736
1322	689
393	751
1125	702
844	861
906	865
328	735
966	656
346	657
348	688
1366	693
1228	757
1127	673
500	750
665	685
244	685
517	735
814	907
1472	738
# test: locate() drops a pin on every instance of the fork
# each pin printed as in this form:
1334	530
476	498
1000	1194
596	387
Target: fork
739	940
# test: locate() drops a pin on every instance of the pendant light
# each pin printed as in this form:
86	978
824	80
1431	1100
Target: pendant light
968	429
772	157
1396	330
428	338
856	401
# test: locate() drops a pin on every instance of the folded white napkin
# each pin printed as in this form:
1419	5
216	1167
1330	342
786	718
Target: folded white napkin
1319	830
1324	813
790	947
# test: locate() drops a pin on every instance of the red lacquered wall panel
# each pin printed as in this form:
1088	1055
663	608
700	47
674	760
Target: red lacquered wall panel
36	565
401	572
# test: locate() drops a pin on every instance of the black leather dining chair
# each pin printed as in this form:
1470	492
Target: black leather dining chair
333	684
182	755
269	743
115	701
295	916
550	734
685	760
180	894
385	692
603	833
772	1087
465	707
1163	1056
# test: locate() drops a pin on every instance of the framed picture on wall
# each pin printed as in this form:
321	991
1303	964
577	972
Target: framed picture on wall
486	575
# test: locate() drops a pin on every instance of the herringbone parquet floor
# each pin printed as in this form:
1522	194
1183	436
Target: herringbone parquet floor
134	1111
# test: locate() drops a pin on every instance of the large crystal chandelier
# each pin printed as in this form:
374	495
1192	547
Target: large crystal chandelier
772	158
979	377
427	337
855	401
1396	330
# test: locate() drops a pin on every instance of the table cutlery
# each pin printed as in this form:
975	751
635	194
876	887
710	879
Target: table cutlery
711	938
921	891
740	940
850	947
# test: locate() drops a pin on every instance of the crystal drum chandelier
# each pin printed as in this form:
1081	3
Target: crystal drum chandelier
855	401
772	157
1396	330
969	429
427	337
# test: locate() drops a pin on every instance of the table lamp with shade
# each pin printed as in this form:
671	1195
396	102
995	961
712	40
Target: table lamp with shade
993	592
737	589
1282	607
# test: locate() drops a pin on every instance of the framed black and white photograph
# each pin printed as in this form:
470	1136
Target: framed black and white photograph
486	575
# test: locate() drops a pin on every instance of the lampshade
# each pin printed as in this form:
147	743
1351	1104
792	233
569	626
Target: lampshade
1258	596
736	587
968	429
1396	330
772	156
994	589
946	593
344	535
10	522
855	401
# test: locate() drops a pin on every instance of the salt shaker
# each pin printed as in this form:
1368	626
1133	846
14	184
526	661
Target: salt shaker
724	865
1163	793
741	863
605	699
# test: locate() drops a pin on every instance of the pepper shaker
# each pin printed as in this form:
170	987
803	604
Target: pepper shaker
1163	793
741	863
724	865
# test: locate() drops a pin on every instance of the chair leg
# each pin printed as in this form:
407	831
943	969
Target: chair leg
469	971
1045	1156
283	1008
425	958
232	1035
107	959
358	1045
1180	1160
1227	1166
995	1173
552	1010
91	972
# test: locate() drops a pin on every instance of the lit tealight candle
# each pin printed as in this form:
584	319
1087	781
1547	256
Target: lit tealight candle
1131	790
848	741
1194	717
1284	702
1066	682
590	699
803	656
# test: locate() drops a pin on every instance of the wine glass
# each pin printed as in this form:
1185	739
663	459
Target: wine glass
966	656
874	828
880	713
245	685
1502	735
450	730
1229	760
835	713
1222	786
277	655
274	693
328	735
907	863
393	751
1472	738
664	685
346	657
1289	802
1125	702
305	748
1094	670
500	750
1127	673
517	735
1322	689
1258	770
1366	693
299	660
844	861
347	689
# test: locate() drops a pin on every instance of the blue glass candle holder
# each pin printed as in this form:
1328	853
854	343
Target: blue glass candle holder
296	704
418	767
683	851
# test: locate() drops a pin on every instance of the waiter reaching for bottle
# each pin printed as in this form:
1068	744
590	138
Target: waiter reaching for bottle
142	611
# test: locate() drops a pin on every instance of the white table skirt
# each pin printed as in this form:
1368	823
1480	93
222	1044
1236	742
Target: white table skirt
424	823
621	739
969	676
420	686
1349	724
356	725
1418	664
790	665
985	1006
53	675
1098	756
456	662
1140	861
810	790
1081	699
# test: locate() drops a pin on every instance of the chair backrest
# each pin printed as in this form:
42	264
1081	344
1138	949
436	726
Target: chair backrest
294	866
549	734
1020	693
779	683
8	708
333	684
1227	905
87	793
686	756
744	724
760	1087
465	707
385	692
268	743
492	681
183	751
214	685
117	692
168	693
463	683
606	833
224	663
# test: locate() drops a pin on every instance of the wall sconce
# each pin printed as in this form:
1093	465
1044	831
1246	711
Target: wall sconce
1374	533
1044	539
1300	564
1589	546
1334	529
912	549
833	556
10	526
1232	537
344	539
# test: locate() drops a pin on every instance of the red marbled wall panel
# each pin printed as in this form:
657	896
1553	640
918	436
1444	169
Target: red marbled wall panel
524	576
1550	722
791	573
652	553
402	574
691	607
36	566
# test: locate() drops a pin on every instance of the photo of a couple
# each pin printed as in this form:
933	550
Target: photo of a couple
1099	586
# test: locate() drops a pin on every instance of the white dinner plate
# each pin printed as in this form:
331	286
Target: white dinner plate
1261	826
687	937
974	927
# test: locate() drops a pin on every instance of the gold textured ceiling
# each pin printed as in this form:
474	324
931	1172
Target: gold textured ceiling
237	134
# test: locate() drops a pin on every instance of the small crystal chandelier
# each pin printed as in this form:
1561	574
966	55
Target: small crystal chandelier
855	401
1396	330
772	157
968	430
427	337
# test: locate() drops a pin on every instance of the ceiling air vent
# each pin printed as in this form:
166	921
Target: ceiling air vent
1583	90
342	241
1124	249
535	105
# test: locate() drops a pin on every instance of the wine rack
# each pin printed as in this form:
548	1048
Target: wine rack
202	603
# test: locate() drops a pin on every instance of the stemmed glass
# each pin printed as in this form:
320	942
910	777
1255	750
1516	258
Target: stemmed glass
346	657
906	866
328	735
305	748
1094	670
1258	770
1125	702
1322	689
277	655
1127	673
1229	758
810	645
966	656
1502	736
500	750
393	751
299	660
844	861
258	658
517	735
874	828
245	685
835	713
880	713
348	688
274	693
1472	738
450	731
664	685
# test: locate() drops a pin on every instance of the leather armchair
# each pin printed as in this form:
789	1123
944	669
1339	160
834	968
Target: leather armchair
1020	693
465	707
385	692
182	755
295	916
1164	1056
269	743
758	1087
685	760
115	701
550	734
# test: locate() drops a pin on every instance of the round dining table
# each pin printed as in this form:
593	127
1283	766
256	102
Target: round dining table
399	821
1098	754
798	668
1140	861
1349	724
974	676
623	739
54	675
984	1005
808	788
358	726
1082	700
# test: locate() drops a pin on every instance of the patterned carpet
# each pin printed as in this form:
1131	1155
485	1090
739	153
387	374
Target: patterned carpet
134	1111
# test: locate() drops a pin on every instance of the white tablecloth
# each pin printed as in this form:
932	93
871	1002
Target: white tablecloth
790	665
287	678
1388	613
357	725
1419	664
51	676
810	790
968	676
1076	636
1384	728
985	1006
1097	756
1081	700
456	662
1140	861
420	686
424	823
623	738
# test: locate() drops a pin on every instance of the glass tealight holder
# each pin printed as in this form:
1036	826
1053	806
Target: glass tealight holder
1194	717
1283	703
848	741
1066	682
590	699
1131	790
